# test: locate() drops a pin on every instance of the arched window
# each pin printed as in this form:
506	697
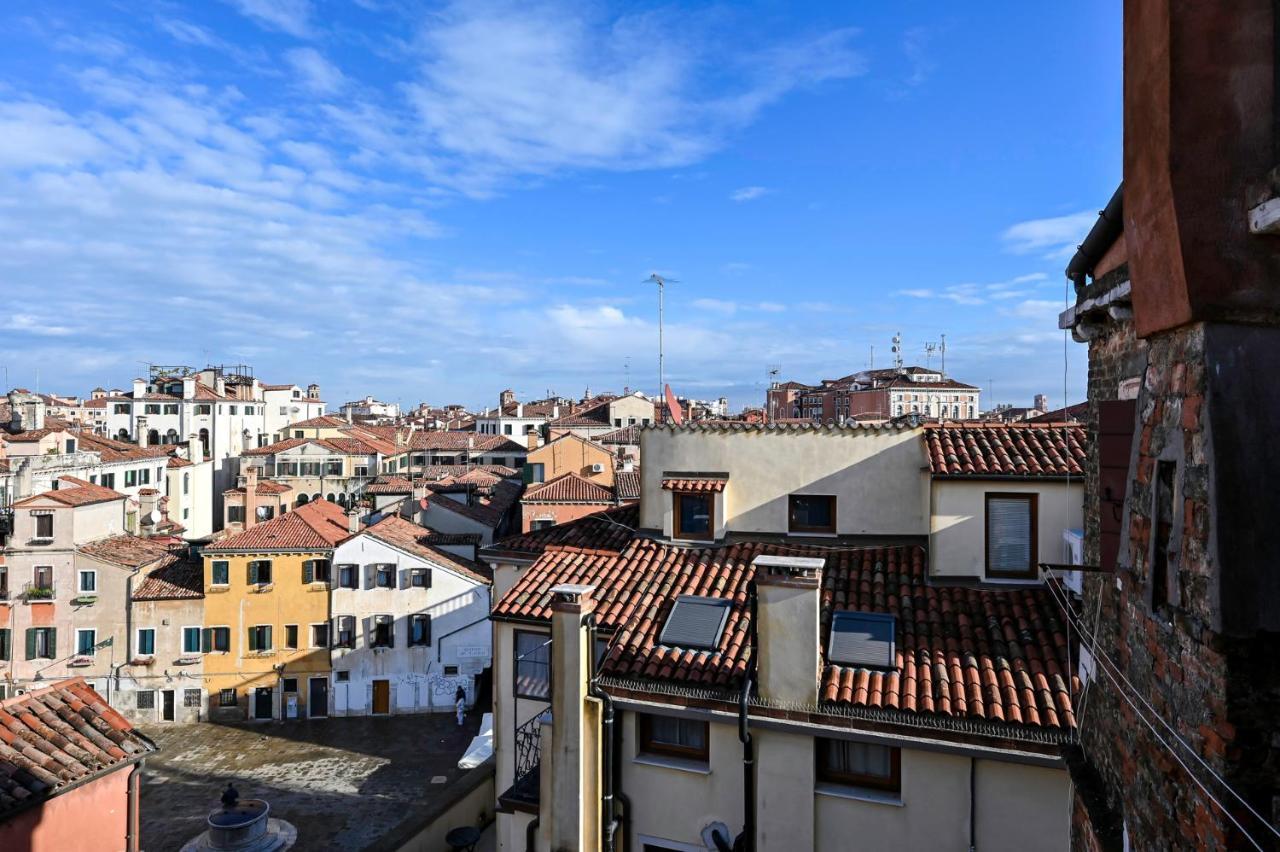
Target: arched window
342	499
153	436
302	501
122	435
330	497
171	437
317	496
204	440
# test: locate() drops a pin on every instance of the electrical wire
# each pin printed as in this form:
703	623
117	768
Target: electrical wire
1107	670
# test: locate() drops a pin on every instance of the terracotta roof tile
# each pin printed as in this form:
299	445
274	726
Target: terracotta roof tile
389	485
627	484
488	510
606	530
985	450
178	578
128	550
697	484
61	735
626	435
568	488
75	492
954	645
318	525
420	541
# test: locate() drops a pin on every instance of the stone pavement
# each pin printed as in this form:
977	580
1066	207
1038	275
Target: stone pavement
343	782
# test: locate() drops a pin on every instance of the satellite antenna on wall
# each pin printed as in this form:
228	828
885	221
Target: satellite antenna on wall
897	351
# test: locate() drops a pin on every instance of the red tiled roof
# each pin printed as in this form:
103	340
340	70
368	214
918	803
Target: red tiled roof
627	484
999	449
112	450
625	435
697	484
607	530
322	421
961	652
179	578
454	441
389	485
129	550
420	541
568	488
593	413
264	486
488	510
318	525
61	735
455	471
1071	414
75	492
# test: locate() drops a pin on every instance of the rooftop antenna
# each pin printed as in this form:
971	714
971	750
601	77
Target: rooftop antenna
897	351
626	371
929	349
655	278
871	364
943	348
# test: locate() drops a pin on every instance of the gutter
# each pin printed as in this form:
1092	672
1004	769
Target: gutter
1101	236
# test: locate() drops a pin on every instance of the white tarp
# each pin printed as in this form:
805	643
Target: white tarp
481	748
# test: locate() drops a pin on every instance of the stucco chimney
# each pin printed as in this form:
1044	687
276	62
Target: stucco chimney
787	640
139	388
148	511
188	387
195	449
353	521
573	807
250	496
143	437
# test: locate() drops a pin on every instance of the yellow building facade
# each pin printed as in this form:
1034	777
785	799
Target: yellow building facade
267	616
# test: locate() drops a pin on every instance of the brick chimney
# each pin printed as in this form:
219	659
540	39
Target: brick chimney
250	496
787	626
572	764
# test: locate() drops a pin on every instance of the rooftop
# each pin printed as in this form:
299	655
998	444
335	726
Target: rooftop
420	541
74	492
318	525
568	488
983	450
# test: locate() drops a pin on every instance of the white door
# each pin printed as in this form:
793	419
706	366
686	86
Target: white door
340	698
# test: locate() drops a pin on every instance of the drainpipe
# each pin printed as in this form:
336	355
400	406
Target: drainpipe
973	805
131	839
1100	237
744	735
609	821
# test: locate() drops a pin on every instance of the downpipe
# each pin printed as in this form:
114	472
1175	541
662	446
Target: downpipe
609	822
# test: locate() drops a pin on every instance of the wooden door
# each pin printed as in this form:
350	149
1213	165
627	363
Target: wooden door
167	698
262	702
382	696
318	699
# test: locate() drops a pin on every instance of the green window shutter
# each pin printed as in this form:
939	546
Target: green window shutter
253	639
4	643
426	630
308	571
31	642
206	639
253	572
266	638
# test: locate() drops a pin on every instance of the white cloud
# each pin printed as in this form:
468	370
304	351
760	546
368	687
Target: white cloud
317	73
718	306
771	307
189	33
287	16
978	294
1055	237
748	193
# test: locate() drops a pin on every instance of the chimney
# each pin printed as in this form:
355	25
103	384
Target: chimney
15	411
188	387
532	439
786	624
148	511
195	449
143	438
519	409
250	496
353	521
219	385
555	412
139	388
573	807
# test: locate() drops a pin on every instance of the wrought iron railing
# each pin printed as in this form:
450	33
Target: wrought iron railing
528	744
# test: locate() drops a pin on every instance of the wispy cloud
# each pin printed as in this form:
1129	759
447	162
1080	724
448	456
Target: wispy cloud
317	73
978	294
718	306
748	193
915	46
1055	237
287	16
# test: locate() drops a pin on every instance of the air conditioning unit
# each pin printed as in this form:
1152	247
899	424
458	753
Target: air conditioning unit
597	468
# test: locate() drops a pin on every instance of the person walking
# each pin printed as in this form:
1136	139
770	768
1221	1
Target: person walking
460	703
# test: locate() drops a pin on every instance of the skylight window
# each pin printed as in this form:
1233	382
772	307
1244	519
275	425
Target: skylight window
695	622
862	639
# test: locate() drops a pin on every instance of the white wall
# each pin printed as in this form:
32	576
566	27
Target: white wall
957	539
416	674
876	475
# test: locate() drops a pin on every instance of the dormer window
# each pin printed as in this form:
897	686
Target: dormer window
695	622
1011	536
694	514
811	513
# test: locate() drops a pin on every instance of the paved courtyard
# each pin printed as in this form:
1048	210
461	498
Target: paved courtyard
343	783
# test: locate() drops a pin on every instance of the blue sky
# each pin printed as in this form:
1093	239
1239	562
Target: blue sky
435	202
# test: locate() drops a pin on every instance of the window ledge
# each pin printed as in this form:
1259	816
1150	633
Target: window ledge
804	534
1013	581
680	764
859	794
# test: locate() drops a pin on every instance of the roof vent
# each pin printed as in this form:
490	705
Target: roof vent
788	567
695	622
862	639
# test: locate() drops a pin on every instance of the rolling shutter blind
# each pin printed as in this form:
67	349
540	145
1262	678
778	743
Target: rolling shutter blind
1008	535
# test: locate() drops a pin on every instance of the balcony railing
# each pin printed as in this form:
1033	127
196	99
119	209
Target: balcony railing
528	744
38	591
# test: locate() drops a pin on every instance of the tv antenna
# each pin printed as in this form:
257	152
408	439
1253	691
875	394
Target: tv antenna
929	349
662	282
897	351
942	348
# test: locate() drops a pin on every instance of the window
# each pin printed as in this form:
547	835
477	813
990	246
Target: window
88	582
419	630
319	636
693	513
384	576
70	445
260	637
150	408
297	433
291	636
190	698
227	698
501	461
191	640
130	478
348	576
384	632
420	578
85	640
231	409
217	639
290	685
532	665
315	571
186	483
6	650
1011	536
42	643
1164	556
362	470
220	573
342	677
813	513
171	409
266	513
345	631
534	472
146	641
108	480
204	408
144	476
671	736
235	514
146	699
541	524
851	764
121	408
260	572
44	526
